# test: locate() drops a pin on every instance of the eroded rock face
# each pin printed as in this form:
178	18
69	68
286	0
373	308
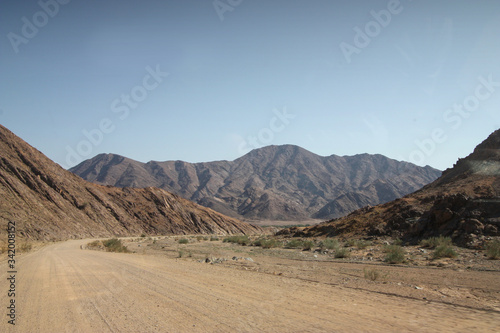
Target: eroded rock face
48	202
273	183
463	204
472	226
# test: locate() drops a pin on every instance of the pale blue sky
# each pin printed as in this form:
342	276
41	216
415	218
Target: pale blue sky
270	72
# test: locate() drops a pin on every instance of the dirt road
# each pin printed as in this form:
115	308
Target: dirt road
62	288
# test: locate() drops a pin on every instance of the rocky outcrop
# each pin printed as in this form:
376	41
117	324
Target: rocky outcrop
464	204
50	203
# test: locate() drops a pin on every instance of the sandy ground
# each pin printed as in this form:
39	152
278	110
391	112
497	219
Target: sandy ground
63	288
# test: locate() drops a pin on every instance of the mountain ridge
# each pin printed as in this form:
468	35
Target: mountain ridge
464	204
50	203
284	182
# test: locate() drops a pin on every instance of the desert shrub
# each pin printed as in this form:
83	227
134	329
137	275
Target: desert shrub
371	274
258	241
183	241
359	243
214	238
434	242
350	243
294	244
362	244
242	240
143	235
269	243
95	244
444	251
329	244
307	245
114	245
341	252
395	254
387	248
25	247
493	249
182	254
266	243
397	241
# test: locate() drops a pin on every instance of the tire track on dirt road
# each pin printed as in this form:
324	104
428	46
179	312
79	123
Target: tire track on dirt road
62	288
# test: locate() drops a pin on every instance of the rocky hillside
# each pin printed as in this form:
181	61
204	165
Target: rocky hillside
48	202
274	182
464	203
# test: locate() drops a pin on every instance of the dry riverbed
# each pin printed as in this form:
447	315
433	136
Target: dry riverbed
166	286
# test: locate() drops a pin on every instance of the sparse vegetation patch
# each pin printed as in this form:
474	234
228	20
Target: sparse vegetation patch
395	254
493	250
362	244
25	247
114	245
294	244
95	245
371	274
444	251
307	245
341	252
241	240
434	242
329	244
397	241
267	243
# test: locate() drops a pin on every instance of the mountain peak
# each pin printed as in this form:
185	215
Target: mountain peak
488	150
277	182
483	161
278	149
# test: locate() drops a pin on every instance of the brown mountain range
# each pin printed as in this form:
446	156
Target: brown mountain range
271	183
48	202
464	203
